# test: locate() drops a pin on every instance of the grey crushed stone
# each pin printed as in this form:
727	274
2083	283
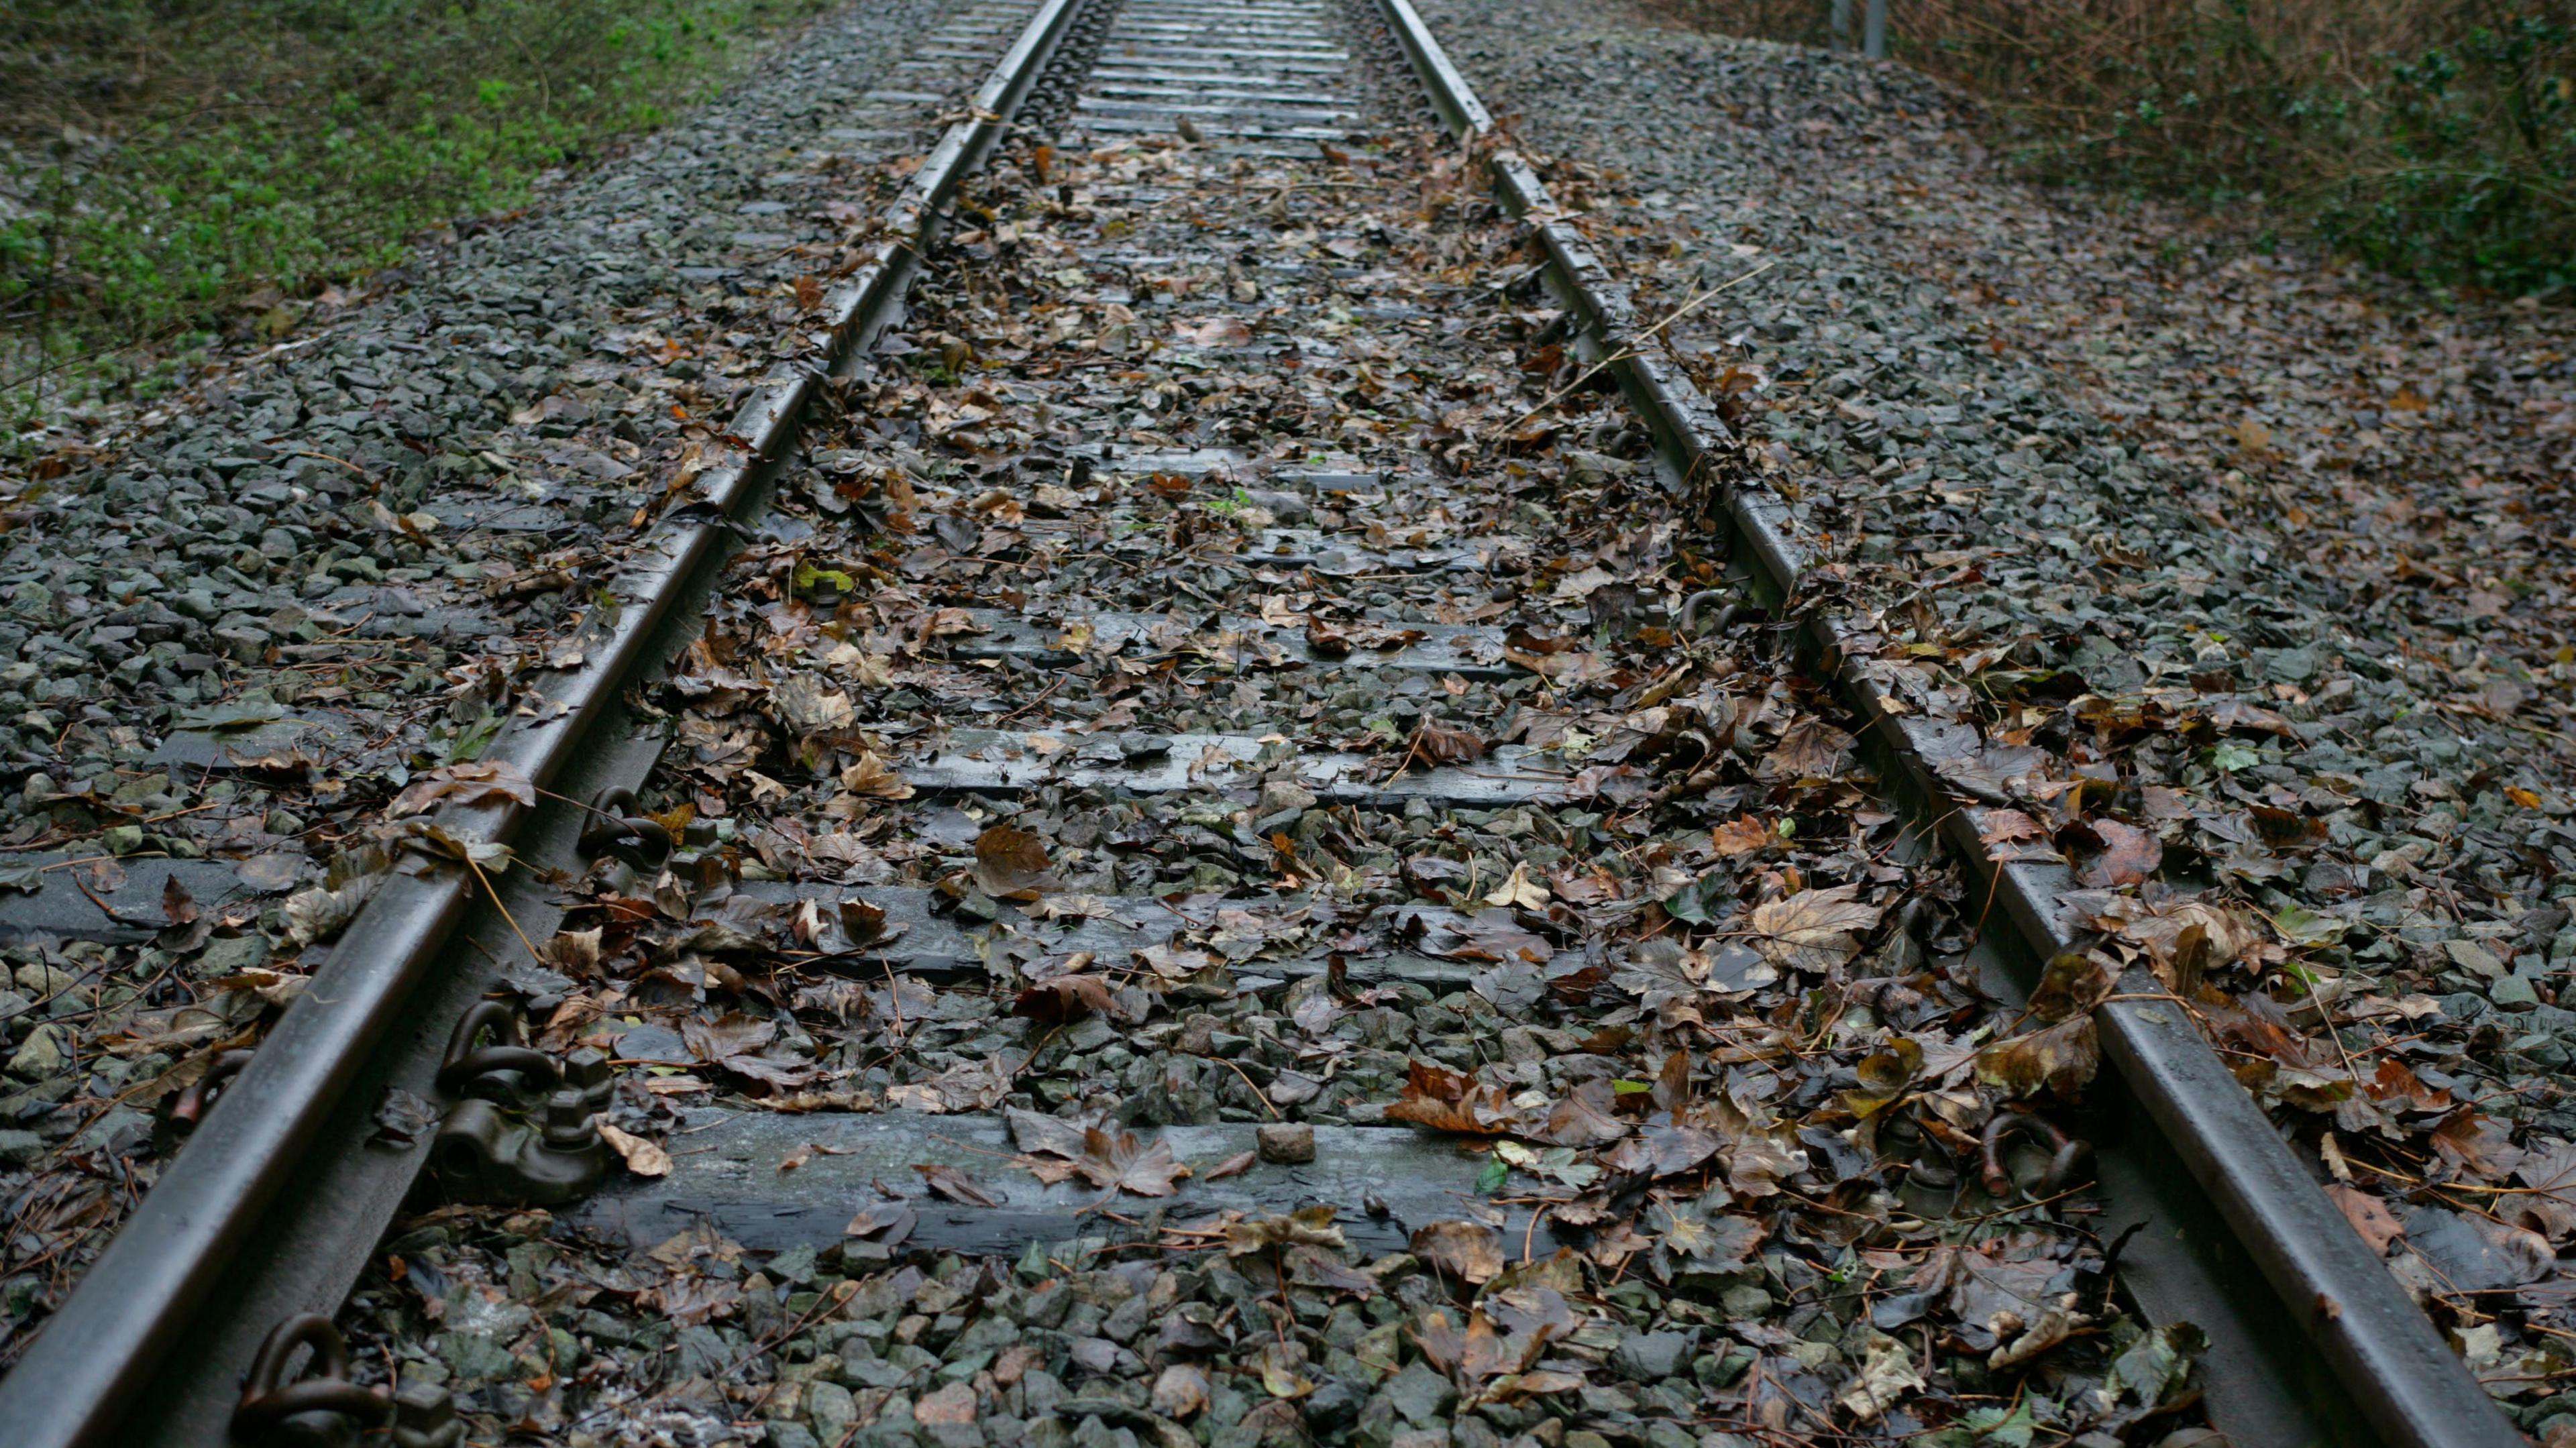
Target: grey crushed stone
2313	520
329	557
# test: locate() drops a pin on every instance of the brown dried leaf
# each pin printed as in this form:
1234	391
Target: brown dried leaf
468	783
1444	1100
1127	1162
1813	930
2369	1216
1213	332
1811	749
1304	1227
1011	864
644	1158
1467	1251
1064	998
862	924
177	905
955	1185
872	778
2061	1058
2129	856
2074	982
1742	835
1437	744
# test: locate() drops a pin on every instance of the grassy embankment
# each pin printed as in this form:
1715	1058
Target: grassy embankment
172	171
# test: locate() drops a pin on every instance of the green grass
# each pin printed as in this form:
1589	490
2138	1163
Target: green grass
178	170
2433	139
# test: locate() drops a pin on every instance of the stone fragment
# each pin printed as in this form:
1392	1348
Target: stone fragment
1651	1357
1287	1142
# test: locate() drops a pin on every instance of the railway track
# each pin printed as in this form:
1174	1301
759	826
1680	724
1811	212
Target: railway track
1246	684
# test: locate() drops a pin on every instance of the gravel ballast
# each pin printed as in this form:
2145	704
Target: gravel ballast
1211	906
238	627
2251	574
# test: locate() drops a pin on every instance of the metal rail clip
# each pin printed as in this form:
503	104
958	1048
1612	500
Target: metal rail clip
617	826
322	1408
487	1150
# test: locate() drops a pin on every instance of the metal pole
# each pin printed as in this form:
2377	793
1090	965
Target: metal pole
1874	31
1838	26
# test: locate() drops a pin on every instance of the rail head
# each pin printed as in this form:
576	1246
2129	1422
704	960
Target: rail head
2382	1351
141	1303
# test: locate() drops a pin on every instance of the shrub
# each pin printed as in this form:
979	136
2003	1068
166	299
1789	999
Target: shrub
2434	138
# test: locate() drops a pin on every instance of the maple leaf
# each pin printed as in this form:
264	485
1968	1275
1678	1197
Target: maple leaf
1128	1163
1304	1227
862	924
2060	1059
1435	744
1214	332
1813	930
1742	835
1326	641
643	1157
1810	749
2128	855
2550	1205
2073	982
177	905
1583	1118
1468	1251
441	843
1063	998
1445	1100
1011	864
872	779
469	783
1119	1160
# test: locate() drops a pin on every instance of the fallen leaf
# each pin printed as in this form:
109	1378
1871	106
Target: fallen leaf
1444	1100
871	778
1520	891
2369	1216
1062	998
2061	1059
2129	856
1011	864
469	783
1179	1391
1742	835
1813	930
1120	1160
644	1158
1437	744
1467	1251
2073	983
177	905
1214	332
1304	1227
955	1185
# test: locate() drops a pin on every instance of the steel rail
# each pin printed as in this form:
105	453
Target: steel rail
2313	1341
151	1295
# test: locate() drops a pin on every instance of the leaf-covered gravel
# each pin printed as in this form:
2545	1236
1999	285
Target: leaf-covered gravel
239	627
1678	982
2251	574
